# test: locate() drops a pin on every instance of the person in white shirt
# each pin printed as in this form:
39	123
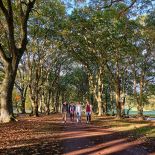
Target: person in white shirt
78	111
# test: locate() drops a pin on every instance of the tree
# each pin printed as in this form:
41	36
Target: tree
15	15
21	82
45	51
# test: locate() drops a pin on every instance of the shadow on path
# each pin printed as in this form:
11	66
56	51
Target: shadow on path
48	135
87	139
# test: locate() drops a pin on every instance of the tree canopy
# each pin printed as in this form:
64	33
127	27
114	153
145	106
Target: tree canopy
53	51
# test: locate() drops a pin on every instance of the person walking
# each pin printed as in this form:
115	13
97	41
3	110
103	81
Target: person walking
64	111
78	112
72	111
88	111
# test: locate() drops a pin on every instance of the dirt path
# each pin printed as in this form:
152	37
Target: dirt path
48	135
87	139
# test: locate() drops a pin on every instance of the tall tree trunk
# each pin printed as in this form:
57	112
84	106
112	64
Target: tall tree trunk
140	103
34	101
6	96
118	91
139	97
97	95
99	103
36	109
53	100
134	87
48	99
6	110
12	58
105	105
23	98
57	101
96	88
111	100
23	105
118	103
123	91
123	106
40	107
62	97
112	104
98	92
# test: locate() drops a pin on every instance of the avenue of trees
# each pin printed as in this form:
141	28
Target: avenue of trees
53	51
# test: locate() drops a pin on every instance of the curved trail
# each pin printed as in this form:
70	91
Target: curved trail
87	139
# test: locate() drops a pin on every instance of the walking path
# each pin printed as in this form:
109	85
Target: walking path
87	139
48	135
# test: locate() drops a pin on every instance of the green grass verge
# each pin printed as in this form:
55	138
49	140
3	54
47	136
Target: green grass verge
132	126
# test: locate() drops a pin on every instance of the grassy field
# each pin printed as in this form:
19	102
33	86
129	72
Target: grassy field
133	126
146	113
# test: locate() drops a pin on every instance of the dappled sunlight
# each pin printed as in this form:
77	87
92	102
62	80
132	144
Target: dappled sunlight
21	145
91	139
31	135
49	135
84	132
143	127
104	148
77	77
129	127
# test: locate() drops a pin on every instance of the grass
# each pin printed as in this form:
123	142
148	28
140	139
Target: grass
132	126
150	115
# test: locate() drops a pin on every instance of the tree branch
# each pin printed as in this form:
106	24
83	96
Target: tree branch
3	9
11	27
2	67
112	2
3	55
105	6
24	24
109	69
18	87
126	9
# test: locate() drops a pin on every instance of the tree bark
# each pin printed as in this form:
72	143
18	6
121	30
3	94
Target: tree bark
34	101
6	96
12	58
105	105
57	101
118	89
112	104
123	106
97	95
118	104
23	98
6	91
140	103
48	102
97	87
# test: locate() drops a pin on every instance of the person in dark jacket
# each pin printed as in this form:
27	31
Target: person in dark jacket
72	111
64	111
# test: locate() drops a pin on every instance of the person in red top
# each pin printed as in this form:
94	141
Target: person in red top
88	111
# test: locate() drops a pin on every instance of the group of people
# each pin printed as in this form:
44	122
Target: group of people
76	110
